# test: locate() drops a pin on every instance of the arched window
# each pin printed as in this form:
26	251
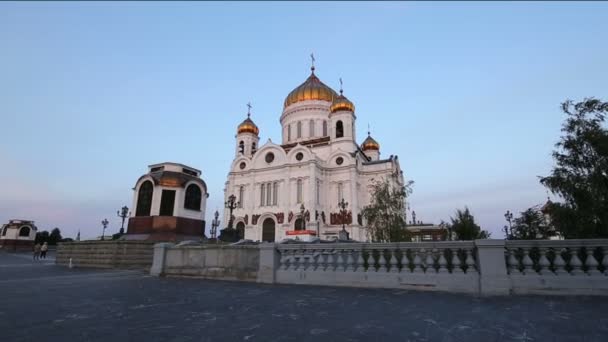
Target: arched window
299	191
288	132
299	130
241	196
311	128
269	194
299	224
262	194
193	197
144	199
24	231
324	128
340	192
253	148
339	129
4	231
275	193
242	147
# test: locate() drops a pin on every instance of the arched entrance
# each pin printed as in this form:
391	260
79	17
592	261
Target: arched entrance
240	230
299	224
268	230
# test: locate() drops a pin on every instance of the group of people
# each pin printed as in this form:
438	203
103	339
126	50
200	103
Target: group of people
40	250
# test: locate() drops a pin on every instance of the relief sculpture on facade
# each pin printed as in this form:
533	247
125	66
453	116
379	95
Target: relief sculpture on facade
280	217
254	219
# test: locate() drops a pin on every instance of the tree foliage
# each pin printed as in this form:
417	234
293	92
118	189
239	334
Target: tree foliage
464	226
385	215
42	237
55	236
580	174
531	225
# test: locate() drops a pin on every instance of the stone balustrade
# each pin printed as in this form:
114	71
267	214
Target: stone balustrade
486	267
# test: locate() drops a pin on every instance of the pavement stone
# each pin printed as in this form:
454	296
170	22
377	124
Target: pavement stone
45	302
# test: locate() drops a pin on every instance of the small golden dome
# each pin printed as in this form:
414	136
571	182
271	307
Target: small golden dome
341	103
247	126
311	89
370	144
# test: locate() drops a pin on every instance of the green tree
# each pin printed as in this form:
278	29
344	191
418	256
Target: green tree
580	174
464	226
55	236
385	214
42	237
531	225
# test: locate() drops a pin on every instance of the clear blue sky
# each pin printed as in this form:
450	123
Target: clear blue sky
466	94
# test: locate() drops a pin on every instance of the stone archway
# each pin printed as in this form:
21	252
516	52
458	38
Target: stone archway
298	224
268	230
240	230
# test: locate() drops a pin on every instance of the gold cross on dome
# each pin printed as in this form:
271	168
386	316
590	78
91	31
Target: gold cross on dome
312	57
248	109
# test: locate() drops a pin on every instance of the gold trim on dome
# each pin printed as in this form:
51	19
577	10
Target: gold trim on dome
370	144
311	89
342	103
248	126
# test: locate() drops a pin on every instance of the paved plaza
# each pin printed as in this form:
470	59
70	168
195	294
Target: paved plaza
44	302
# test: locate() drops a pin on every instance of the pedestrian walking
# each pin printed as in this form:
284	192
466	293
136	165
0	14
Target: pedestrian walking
43	249
37	248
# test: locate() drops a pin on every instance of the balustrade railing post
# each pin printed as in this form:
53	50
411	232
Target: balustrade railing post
350	261
360	261
527	262
393	261
382	261
443	263
492	272
559	265
575	262
591	263
543	262
429	262
418	267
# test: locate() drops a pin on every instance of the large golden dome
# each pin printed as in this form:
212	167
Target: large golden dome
311	89
247	126
341	103
370	144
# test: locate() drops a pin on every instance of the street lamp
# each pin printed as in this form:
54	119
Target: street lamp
123	213
342	205
302	217
104	223
214	224
509	218
231	204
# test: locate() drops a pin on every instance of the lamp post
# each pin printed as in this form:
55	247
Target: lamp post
342	205
123	213
302	217
104	223
214	224
231	204
509	218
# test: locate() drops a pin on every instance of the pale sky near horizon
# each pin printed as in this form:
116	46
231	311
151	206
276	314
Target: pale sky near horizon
466	94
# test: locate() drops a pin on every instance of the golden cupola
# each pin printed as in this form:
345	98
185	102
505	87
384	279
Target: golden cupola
341	103
311	89
369	144
247	126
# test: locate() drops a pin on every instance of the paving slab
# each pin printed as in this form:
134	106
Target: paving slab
45	302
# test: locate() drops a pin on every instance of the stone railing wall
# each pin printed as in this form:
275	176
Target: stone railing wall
577	266
486	267
106	254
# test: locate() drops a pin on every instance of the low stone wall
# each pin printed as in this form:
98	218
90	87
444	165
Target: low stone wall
106	254
209	261
484	267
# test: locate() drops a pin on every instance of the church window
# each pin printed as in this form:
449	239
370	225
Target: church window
299	130
241	196
269	157
262	195
242	147
253	148
324	128
311	128
4	230
24	231
299	191
339	160
242	165
269	194
340	192
318	191
299	156
193	197
275	193
288	132
339	129
144	199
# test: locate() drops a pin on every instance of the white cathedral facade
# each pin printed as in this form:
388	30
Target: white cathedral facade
317	164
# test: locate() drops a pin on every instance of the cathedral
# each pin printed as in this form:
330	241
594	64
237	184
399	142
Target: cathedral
315	182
